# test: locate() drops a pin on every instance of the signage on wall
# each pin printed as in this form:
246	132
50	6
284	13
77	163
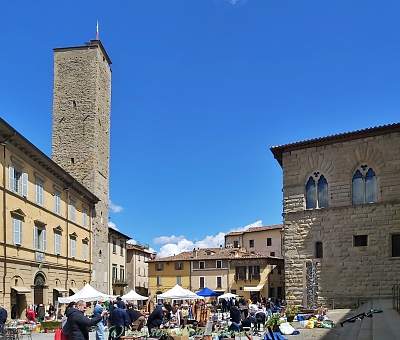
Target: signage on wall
39	256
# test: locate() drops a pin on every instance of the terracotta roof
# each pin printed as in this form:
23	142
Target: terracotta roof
341	137
255	229
202	254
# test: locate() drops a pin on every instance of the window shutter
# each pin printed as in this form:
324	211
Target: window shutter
25	184
44	240
57	238
35	238
12	177
17	226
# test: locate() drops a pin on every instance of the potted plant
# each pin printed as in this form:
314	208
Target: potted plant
274	322
291	311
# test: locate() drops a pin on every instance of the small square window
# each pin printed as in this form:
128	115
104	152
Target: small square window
272	253
178	265
360	240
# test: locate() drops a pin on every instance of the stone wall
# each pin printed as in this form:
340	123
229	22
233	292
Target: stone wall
81	135
345	273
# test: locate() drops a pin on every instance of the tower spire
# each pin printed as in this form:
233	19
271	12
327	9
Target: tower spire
97	30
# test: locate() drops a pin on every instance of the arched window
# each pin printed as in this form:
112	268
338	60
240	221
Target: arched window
317	192
364	186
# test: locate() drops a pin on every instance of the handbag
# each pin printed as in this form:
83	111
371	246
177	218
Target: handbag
57	334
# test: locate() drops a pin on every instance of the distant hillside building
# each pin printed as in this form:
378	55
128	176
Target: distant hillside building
341	200
258	240
137	268
220	269
81	135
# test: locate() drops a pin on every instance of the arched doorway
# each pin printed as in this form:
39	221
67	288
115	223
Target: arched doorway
38	290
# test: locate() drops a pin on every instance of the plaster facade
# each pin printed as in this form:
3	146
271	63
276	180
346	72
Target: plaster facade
45	237
137	267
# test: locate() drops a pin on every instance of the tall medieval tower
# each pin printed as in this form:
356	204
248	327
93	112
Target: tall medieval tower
81	135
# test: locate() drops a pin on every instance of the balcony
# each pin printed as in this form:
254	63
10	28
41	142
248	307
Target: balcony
240	277
119	282
255	277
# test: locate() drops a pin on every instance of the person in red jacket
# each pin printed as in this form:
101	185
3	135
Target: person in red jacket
30	315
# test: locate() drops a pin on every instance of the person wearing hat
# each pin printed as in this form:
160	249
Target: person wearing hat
98	309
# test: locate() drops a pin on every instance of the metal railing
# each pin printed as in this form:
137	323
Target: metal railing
396	297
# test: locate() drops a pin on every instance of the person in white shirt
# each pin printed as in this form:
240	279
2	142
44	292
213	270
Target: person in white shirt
175	316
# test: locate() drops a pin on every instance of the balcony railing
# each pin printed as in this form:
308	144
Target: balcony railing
254	277
119	282
240	277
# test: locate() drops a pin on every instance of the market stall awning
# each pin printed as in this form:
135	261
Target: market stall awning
60	289
253	289
21	289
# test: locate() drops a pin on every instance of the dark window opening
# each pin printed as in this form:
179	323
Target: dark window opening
72	160
360	240
318	250
396	245
269	241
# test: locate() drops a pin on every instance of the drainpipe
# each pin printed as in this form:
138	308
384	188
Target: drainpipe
4	144
4	220
67	216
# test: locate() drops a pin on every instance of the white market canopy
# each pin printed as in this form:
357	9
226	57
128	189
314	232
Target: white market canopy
87	294
227	296
178	293
133	296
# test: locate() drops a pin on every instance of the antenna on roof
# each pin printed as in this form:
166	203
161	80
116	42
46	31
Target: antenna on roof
97	30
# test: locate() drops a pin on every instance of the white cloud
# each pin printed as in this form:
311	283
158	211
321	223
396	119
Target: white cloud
112	225
171	249
131	241
252	225
168	239
114	208
174	245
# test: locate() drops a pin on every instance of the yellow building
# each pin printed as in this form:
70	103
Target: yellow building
220	269
255	275
166	272
45	226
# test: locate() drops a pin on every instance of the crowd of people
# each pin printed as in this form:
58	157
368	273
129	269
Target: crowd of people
114	316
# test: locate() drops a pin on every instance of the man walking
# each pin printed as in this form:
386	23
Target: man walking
120	322
78	323
98	309
3	319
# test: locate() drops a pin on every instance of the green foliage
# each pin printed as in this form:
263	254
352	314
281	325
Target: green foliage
274	320
291	310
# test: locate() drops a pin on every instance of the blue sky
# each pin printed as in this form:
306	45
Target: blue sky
201	89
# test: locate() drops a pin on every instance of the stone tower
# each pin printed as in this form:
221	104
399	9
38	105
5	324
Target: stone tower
81	135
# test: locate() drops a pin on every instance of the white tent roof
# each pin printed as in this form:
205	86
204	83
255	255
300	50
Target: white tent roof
133	296
87	293
227	296
178	293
